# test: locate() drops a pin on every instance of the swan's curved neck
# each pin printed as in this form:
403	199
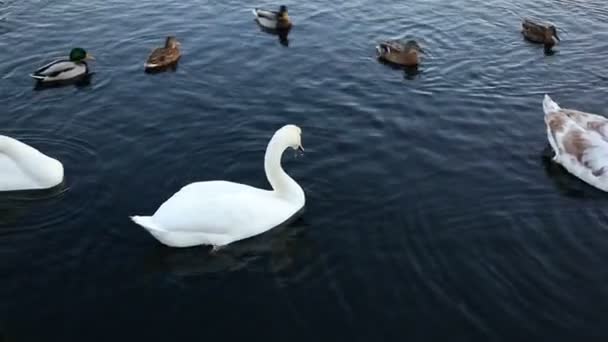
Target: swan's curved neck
281	183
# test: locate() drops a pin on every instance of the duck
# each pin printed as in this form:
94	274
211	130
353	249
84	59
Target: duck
396	52
23	167
219	212
65	69
579	142
165	56
273	20
541	33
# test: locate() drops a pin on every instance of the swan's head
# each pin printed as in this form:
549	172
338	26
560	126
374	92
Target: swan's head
291	135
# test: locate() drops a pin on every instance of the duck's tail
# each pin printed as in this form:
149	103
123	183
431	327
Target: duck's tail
549	106
37	77
147	222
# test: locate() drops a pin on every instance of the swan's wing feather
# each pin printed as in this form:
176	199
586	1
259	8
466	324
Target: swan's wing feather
595	155
585	148
589	121
12	176
23	167
220	207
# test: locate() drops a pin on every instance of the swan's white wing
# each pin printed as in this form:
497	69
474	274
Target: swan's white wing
587	148
556	129
23	167
582	152
219	207
589	121
12	177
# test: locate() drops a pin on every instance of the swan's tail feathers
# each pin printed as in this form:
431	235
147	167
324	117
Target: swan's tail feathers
549	106
147	222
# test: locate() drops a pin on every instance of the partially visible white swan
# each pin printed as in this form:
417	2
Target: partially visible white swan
219	212
579	142
23	167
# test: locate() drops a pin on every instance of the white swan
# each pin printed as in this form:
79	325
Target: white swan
219	212
579	142
23	167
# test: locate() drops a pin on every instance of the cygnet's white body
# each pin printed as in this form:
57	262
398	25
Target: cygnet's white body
580	142
219	212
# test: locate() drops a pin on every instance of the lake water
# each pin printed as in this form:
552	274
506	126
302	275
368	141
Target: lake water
433	211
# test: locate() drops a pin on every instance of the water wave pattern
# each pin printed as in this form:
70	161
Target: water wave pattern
433	208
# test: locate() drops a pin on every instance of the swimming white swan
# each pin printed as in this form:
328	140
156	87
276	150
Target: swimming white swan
219	212
23	167
580	142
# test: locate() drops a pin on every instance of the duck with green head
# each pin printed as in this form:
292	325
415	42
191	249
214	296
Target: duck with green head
65	69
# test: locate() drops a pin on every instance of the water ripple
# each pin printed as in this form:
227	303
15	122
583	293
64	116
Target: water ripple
40	210
430	200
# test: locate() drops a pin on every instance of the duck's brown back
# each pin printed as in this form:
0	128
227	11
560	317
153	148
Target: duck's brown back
162	57
536	32
407	58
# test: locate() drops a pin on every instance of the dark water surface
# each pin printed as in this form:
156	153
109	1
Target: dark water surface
432	213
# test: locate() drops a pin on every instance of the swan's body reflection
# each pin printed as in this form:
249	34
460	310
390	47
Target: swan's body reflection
16	205
283	244
565	182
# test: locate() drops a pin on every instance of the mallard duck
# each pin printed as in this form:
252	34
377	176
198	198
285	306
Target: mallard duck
273	20
541	33
579	141
397	52
165	56
65	69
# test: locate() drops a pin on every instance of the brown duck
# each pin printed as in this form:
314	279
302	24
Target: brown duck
396	52
164	57
541	33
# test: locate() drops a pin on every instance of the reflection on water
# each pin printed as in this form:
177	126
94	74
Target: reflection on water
278	244
566	183
281	34
15	205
